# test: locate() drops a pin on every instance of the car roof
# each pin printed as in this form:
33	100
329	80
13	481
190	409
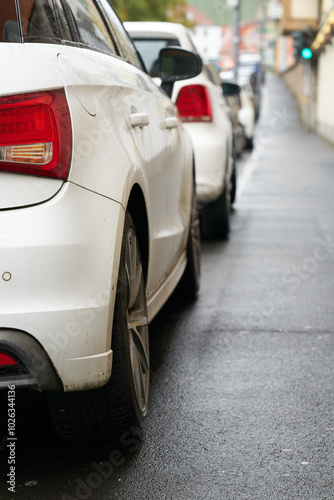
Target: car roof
156	28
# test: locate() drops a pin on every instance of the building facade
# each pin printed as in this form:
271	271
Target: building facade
208	36
311	81
324	50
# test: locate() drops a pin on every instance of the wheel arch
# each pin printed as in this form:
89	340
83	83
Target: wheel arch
138	211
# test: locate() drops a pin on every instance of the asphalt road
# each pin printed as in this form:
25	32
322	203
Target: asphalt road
242	379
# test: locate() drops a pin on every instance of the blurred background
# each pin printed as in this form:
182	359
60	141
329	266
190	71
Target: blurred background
292	38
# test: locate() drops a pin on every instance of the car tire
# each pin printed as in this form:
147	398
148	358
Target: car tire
191	278
215	218
250	144
110	412
233	184
240	142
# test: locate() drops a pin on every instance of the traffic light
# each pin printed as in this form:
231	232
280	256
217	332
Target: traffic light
307	53
302	43
298	37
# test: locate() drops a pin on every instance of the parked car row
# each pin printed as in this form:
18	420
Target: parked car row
251	76
207	118
107	177
251	70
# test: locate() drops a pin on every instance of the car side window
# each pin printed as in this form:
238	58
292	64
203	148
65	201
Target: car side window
65	28
9	28
126	47
149	49
38	21
90	25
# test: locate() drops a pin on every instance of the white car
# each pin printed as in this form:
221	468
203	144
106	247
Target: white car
98	211
252	69
207	119
247	112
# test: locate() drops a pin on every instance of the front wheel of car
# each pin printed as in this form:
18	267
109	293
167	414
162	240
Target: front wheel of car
118	408
215	218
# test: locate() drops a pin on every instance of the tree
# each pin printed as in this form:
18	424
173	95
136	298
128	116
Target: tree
150	10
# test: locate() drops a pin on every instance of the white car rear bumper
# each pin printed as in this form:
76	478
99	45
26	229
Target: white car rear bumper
210	153
59	268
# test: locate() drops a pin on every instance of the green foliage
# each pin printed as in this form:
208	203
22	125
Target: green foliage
220	13
150	10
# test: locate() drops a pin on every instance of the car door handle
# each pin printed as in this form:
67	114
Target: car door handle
171	122
139	120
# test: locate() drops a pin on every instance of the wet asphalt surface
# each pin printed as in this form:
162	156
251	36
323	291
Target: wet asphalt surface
242	379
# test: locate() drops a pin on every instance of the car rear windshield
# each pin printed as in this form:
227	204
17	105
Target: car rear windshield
9	26
149	49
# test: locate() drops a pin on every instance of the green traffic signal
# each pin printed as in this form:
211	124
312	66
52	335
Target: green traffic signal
302	43
306	53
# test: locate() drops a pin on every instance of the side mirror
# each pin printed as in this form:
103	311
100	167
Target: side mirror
230	89
177	64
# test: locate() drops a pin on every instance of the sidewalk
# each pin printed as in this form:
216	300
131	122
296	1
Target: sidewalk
285	209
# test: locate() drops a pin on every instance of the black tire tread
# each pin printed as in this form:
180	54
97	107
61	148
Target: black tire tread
215	218
108	412
190	282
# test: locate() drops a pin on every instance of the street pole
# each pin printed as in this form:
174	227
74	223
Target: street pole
236	38
262	28
307	95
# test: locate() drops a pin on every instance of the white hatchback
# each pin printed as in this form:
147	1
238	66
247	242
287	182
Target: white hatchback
98	216
247	113
207	119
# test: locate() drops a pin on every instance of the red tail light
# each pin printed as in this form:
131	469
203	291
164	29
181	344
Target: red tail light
7	360
36	134
194	104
